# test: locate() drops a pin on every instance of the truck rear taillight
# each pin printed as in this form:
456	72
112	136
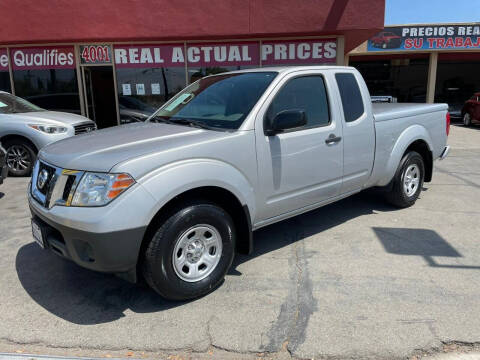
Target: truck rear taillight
448	123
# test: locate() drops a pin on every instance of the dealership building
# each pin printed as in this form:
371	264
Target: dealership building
422	63
116	61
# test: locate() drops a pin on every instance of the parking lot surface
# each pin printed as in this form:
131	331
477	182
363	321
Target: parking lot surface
357	278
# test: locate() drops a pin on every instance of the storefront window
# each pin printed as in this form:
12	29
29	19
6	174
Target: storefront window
46	77
4	74
400	79
458	79
142	91
195	73
54	89
147	77
5	81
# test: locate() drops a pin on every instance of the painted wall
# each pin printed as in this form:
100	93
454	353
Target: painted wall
34	21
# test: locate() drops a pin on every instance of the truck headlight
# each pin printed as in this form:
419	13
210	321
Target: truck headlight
49	129
98	189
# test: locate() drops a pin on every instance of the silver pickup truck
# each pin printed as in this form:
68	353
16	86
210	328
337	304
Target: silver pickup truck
174	199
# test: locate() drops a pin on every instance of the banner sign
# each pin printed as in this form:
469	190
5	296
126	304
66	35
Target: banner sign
149	56
426	37
299	52
3	60
95	54
40	58
246	53
226	54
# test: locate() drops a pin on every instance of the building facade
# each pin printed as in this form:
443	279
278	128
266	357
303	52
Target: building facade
422	63
116	61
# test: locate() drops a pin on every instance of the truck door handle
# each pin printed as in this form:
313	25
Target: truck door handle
332	139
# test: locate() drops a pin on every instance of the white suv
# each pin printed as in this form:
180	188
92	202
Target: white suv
25	128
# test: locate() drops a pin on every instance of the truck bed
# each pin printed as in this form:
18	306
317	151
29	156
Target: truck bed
390	111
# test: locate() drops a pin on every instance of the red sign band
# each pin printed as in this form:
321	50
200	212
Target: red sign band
246	53
144	56
227	54
299	52
40	58
3	60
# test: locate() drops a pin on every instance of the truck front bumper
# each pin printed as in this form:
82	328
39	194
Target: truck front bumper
112	252
105	239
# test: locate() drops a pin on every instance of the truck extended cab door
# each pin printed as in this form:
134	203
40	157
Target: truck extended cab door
358	130
302	166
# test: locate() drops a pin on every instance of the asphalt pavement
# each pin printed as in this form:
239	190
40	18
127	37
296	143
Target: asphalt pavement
355	279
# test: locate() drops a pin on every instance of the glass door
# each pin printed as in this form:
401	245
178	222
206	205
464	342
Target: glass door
99	92
98	81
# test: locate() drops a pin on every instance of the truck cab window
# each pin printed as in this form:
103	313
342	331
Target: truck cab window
351	96
305	93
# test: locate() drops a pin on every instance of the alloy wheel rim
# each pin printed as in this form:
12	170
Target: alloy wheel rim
466	119
197	253
411	180
18	158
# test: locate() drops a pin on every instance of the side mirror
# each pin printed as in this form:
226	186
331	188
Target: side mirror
284	120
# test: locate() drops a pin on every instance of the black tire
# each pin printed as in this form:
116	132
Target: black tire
158	269
398	195
17	149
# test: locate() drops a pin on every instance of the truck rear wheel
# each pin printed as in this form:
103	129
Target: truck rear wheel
408	181
190	252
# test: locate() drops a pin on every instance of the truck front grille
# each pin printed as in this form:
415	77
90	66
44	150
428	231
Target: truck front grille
51	172
84	128
59	187
68	187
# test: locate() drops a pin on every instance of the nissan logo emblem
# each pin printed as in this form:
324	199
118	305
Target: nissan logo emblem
42	179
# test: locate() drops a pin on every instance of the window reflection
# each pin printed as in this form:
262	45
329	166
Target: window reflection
196	73
142	91
5	81
51	89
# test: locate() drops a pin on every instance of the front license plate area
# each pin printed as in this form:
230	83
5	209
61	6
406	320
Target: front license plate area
38	234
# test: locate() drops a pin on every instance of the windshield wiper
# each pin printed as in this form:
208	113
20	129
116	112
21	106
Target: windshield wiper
190	122
158	119
182	121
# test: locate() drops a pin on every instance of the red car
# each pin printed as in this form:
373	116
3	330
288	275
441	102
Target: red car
386	40
471	110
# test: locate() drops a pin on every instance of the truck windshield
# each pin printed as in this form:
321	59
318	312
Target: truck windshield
11	104
216	102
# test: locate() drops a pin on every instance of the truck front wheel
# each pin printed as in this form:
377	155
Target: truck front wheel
408	181
190	252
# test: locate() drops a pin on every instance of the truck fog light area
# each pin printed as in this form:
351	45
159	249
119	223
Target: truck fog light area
98	189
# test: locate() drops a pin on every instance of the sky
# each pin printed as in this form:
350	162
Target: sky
431	11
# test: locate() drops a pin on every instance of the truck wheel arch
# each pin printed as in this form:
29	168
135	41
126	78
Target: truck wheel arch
218	195
414	138
421	147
